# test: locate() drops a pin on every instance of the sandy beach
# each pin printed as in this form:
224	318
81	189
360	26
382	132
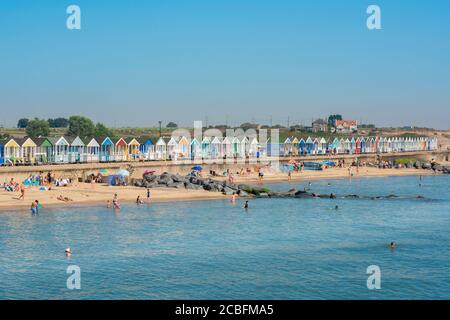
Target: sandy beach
99	194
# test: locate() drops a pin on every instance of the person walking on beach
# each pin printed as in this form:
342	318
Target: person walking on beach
22	192
148	194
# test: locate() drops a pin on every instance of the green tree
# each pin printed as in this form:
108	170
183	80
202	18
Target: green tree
172	125
58	123
332	119
102	131
22	123
81	126
38	128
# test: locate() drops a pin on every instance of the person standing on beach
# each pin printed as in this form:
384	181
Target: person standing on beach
22	192
289	175
115	202
148	194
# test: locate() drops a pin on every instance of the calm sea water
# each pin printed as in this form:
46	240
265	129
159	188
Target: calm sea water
278	249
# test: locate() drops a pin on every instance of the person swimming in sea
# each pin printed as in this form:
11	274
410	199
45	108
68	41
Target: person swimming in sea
336	208
246	205
68	252
139	200
393	245
233	198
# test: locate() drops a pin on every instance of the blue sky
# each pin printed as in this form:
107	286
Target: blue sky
136	62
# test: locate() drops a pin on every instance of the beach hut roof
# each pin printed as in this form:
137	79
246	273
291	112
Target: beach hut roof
295	140
145	140
217	140
309	140
254	141
92	142
173	141
206	140
104	141
323	140
194	141
58	141
132	141
288	140
226	140
75	141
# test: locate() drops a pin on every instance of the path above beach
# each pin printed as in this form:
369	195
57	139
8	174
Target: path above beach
98	194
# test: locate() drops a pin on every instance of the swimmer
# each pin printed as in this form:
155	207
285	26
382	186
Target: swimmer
33	208
233	198
392	245
246	205
139	200
108	204
68	252
336	208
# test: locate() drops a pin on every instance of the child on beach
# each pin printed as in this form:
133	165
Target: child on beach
139	200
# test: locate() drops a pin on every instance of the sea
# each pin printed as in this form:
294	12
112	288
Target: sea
277	249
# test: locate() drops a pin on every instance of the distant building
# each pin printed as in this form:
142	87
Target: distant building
319	125
345	126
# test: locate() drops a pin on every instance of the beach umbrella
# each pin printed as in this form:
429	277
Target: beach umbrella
197	168
123	172
103	171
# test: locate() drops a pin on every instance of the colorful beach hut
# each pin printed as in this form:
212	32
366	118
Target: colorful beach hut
183	149
120	149
133	152
161	148
206	147
195	149
302	147
309	145
217	148
2	152
27	150
77	149
92	150
147	148
107	152
11	151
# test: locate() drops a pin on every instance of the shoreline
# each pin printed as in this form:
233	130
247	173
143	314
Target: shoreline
85	194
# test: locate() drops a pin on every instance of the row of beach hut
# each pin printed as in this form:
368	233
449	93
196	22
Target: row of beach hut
106	149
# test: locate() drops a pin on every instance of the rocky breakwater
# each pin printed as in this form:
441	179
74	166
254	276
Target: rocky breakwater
169	180
436	167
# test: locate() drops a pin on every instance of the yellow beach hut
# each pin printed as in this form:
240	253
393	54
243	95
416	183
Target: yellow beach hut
12	151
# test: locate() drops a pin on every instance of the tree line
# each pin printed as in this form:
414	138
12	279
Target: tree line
76	126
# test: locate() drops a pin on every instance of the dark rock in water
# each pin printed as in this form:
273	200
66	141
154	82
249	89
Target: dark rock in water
420	197
332	196
352	196
418	165
292	190
391	196
299	193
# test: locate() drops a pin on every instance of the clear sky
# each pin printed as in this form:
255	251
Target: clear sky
136	62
